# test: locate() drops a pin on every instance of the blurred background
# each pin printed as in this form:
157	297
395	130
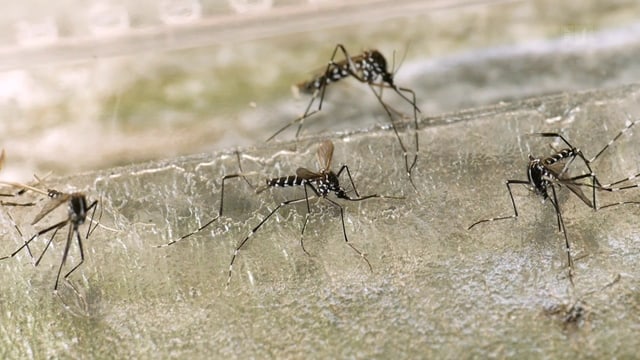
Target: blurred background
94	84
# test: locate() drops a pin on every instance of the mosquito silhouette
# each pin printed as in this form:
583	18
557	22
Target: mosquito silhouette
369	67
544	175
77	210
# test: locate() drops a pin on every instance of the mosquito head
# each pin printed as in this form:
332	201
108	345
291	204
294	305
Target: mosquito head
78	209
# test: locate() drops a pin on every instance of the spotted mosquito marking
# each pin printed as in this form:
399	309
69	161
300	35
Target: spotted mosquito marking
321	184
544	175
369	67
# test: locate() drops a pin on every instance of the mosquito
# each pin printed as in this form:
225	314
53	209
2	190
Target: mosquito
321	184
545	174
369	68
77	214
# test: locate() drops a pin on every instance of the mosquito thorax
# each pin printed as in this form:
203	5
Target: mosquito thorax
536	174
78	208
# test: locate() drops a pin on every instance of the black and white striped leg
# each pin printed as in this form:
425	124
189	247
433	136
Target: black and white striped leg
307	215
40	233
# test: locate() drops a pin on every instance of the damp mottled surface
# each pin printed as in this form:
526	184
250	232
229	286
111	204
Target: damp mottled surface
436	290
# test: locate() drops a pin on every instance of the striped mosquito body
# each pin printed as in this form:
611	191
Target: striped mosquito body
544	175
286	181
321	184
78	209
369	67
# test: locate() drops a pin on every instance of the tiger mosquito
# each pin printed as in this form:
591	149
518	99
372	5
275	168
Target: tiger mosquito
544	174
369	68
321	184
77	210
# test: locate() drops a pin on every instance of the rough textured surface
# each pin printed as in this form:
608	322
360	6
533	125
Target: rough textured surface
437	289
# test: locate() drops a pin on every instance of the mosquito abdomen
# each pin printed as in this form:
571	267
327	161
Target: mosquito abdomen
285	181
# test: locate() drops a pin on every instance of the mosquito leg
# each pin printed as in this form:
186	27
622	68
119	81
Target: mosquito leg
344	232
405	153
307	215
79	240
40	233
345	167
224	178
21	235
255	229
65	254
625	129
513	202
564	232
46	247
94	206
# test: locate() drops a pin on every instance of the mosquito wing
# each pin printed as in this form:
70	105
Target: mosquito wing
325	154
559	168
307	174
578	191
50	206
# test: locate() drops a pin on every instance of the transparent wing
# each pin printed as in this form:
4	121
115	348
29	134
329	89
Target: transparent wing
50	206
325	154
307	174
578	191
558	168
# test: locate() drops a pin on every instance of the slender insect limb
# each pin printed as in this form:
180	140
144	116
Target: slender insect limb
40	233
554	201
242	171
224	178
620	203
21	235
244	241
513	202
306	217
65	254
94	206
625	129
612	186
79	240
405	153
344	233
46	247
353	185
